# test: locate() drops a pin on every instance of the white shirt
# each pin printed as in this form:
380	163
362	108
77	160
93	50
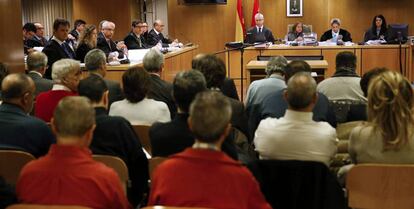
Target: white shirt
261	29
145	112
296	137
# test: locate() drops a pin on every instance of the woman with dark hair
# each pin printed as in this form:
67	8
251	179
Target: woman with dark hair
87	42
378	29
136	107
296	33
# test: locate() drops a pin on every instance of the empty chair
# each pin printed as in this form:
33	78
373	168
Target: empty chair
11	163
118	165
30	206
143	133
381	186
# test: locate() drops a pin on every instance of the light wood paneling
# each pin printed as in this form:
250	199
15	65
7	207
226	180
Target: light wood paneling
11	44
388	58
330	56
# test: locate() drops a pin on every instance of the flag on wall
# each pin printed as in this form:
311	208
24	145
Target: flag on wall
256	10
239	22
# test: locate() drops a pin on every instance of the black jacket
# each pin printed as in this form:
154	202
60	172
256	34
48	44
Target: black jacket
253	36
372	35
162	91
55	52
42	84
108	48
153	39
134	42
346	36
81	52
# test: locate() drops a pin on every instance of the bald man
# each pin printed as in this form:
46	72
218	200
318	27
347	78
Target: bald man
155	35
18	129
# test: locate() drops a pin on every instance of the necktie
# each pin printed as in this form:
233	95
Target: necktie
67	50
260	30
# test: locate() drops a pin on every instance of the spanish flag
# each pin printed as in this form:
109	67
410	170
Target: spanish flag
239	22
256	10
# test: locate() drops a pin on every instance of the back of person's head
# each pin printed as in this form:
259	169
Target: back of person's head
301	91
186	85
196	60
153	61
390	105
60	22
296	66
346	61
86	36
36	61
29	27
213	69
3	72
18	89
92	87
74	116
95	59
136	82
368	76
64	67
276	64
210	115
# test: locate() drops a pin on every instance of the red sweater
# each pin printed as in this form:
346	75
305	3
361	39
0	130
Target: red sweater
46	103
68	175
205	178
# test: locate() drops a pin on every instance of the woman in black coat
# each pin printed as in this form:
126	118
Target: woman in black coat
87	42
378	29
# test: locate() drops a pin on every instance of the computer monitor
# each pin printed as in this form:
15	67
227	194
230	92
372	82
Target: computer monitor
397	33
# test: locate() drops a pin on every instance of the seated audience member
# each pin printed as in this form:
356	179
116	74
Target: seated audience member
39	37
387	137
228	87
29	30
333	35
145	31
297	32
17	128
135	39
57	48
66	75
78	27
105	42
359	111
95	63
136	107
68	175
155	35
214	70
115	136
185	180
378	29
159	89
86	42
296	136
259	33
344	84
37	65
3	73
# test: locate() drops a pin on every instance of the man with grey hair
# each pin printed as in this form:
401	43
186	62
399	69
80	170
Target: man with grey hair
105	42
17	128
336	33
259	33
95	63
66	75
160	90
209	121
37	64
296	136
68	175
155	35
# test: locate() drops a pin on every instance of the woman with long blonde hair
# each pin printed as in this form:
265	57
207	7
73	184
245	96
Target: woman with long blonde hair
87	42
387	137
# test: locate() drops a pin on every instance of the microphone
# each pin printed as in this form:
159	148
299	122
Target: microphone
339	41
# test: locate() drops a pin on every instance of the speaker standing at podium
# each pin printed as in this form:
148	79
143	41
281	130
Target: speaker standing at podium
259	33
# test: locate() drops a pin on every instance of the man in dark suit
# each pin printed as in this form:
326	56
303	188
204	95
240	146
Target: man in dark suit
17	128
39	38
105	42
160	90
115	136
259	33
155	35
175	136
29	30
95	63
78	27
336	32
37	64
135	39
58	48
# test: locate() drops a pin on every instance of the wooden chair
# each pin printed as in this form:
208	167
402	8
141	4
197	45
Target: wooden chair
381	186
11	163
154	163
30	206
118	165
143	133
168	207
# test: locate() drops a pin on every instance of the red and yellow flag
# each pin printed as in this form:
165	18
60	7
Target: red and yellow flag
239	22
256	9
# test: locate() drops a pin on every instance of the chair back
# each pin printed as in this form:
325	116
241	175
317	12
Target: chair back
306	28
154	163
381	186
30	206
11	163
142	132
118	165
292	184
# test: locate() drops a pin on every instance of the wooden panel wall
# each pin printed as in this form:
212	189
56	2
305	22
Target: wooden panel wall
213	25
11	44
94	11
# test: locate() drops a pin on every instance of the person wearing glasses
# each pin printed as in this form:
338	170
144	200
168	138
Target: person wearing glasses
105	42
155	35
259	33
135	39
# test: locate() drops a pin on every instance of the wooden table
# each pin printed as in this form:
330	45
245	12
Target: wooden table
256	69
